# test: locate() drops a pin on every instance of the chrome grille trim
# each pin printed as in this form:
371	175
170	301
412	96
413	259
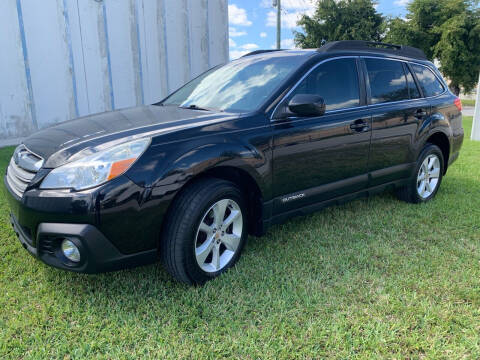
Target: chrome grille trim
17	186
20	172
27	159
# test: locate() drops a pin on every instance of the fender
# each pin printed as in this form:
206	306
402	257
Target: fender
175	164
435	123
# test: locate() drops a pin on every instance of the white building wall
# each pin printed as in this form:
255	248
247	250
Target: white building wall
61	59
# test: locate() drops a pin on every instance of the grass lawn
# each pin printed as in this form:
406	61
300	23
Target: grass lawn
466	102
372	278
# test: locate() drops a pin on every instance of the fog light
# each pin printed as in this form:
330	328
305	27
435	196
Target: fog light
70	250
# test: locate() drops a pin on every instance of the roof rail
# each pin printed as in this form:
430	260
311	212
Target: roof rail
260	52
346	45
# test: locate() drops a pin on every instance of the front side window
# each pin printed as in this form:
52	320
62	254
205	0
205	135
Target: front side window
428	81
387	80
240	86
336	81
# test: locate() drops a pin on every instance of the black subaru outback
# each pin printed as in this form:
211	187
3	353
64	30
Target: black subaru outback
243	146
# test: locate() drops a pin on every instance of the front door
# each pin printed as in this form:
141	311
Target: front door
319	158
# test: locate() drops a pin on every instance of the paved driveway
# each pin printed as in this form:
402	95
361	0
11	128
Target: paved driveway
468	110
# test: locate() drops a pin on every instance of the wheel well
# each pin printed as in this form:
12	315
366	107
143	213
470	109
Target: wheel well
247	185
441	140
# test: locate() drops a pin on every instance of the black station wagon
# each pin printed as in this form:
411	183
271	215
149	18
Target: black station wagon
245	145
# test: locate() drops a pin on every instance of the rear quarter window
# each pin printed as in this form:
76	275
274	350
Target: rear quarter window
429	83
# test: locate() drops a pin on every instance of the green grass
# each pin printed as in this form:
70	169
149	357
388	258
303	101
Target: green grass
466	102
374	278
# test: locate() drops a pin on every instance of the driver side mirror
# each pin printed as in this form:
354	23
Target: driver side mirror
307	105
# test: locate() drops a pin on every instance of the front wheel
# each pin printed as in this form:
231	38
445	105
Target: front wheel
205	231
427	178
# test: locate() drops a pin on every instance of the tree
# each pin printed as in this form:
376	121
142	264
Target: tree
340	20
446	30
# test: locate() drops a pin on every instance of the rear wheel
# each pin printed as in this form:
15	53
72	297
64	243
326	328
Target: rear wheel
424	185
205	231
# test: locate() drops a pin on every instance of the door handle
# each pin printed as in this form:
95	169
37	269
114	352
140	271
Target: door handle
359	125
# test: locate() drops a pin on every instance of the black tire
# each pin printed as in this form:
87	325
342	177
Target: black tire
409	192
177	244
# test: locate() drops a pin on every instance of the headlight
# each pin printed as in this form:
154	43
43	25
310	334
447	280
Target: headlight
95	169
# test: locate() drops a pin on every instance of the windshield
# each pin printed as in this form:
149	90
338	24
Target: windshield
240	86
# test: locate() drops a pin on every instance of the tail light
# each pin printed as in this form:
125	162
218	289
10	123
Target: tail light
458	103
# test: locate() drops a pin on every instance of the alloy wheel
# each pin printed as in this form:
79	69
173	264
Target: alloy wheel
218	235
428	176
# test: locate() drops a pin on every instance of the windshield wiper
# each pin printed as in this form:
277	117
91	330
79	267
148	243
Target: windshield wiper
195	107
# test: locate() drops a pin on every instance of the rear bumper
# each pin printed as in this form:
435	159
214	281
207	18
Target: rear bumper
96	251
456	142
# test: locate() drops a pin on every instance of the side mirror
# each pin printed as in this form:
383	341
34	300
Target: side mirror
307	105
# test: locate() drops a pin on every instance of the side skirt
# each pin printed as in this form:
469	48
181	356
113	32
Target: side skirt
276	219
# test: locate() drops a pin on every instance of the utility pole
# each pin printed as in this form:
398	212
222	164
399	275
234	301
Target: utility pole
476	115
279	21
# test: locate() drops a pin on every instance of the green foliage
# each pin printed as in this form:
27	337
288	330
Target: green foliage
406	33
340	20
446	30
371	279
459	50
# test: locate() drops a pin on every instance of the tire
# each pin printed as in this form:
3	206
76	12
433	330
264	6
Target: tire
191	231
412	192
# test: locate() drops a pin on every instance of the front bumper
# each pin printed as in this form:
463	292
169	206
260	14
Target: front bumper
97	254
115	226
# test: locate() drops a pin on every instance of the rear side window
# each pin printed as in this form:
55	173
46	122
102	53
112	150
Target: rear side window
412	86
428	81
387	80
336	81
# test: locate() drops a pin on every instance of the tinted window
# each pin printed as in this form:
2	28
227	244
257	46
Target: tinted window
412	86
242	85
428	81
387	80
336	81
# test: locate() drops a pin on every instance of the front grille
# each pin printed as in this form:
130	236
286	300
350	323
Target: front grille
22	169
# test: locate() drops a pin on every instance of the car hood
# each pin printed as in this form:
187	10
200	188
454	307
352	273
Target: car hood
64	142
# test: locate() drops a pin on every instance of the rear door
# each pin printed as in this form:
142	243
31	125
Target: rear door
398	112
321	157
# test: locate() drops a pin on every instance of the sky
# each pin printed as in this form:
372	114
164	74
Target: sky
252	23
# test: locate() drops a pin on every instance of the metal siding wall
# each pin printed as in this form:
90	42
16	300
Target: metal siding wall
218	31
152	46
124	56
177	43
15	103
89	46
66	58
50	67
198	28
